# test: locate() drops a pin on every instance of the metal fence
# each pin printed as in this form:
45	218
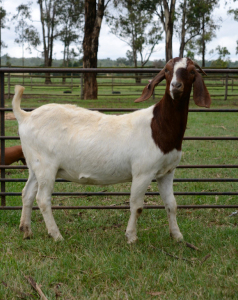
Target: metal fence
224	85
4	167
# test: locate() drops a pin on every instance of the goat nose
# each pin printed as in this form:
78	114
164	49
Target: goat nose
176	85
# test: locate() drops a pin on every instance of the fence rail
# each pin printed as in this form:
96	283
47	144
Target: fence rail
4	167
225	78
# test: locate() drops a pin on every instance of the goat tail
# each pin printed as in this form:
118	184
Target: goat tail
18	112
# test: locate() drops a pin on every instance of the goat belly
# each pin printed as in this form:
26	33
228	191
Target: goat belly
94	178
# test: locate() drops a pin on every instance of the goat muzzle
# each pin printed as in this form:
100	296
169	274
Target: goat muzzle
176	89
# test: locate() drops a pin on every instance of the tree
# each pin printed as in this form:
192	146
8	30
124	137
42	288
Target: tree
94	13
203	11
3	20
159	63
27	34
134	25
71	13
188	24
70	23
221	62
122	62
165	10
50	18
234	13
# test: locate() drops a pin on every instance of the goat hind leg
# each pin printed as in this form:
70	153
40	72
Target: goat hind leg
43	199
28	197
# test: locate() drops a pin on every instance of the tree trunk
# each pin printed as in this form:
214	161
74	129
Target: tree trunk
168	45
93	21
167	18
183	32
47	65
63	74
203	42
49	38
137	79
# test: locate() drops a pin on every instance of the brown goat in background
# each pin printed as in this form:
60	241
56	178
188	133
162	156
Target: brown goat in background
13	154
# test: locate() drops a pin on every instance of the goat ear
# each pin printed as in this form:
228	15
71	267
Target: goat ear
148	90
201	95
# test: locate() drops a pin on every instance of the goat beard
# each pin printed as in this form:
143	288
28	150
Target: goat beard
176	94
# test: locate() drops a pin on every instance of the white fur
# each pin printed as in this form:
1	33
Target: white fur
180	64
89	147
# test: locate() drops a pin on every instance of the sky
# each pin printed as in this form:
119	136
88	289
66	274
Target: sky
112	47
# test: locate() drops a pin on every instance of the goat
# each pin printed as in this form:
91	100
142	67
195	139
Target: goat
13	154
89	147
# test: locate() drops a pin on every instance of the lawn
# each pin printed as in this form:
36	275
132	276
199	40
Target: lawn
94	261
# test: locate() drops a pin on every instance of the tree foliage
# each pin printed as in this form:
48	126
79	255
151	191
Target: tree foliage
202	11
188	23
50	19
3	21
234	13
71	21
165	11
26	34
133	24
222	61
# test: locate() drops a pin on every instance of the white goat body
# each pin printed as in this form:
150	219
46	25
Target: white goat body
89	147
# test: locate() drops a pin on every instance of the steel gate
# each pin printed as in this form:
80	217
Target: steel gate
3	167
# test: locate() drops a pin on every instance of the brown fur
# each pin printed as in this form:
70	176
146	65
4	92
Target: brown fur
170	115
13	154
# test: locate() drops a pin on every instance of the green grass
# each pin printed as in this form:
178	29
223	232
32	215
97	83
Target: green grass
95	262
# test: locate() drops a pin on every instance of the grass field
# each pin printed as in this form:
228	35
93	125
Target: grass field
94	261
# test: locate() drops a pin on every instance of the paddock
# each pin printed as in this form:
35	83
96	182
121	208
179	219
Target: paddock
94	261
221	74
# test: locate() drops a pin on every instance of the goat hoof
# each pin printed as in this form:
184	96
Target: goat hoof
23	228
132	241
27	231
178	237
59	238
56	237
27	235
131	238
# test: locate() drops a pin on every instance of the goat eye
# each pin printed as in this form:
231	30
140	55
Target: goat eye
192	72
166	70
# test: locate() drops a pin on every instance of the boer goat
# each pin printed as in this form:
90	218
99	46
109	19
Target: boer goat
89	147
13	154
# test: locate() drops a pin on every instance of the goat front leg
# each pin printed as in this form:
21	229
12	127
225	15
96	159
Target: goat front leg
43	199
138	189
165	185
28	197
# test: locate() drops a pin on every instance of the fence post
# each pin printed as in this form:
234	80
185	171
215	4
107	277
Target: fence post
226	87
3	198
112	83
8	85
31	83
71	82
81	82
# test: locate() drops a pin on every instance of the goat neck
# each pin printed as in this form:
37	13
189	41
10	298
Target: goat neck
169	122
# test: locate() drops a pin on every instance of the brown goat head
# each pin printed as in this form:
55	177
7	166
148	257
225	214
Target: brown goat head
180	75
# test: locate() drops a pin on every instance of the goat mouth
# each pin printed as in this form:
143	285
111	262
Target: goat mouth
176	93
